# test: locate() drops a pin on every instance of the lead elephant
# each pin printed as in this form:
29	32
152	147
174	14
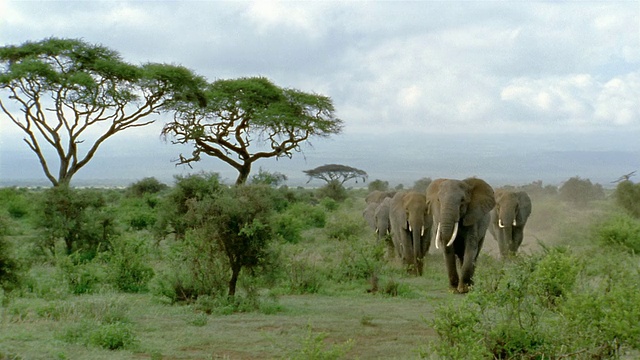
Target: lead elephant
508	219
460	210
410	228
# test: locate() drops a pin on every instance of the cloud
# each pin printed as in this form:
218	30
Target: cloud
578	99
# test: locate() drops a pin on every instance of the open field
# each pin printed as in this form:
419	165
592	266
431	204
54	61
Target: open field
342	319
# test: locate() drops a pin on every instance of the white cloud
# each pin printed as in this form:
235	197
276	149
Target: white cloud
579	99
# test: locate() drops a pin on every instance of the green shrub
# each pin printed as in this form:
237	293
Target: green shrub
148	185
303	277
313	347
16	201
81	276
312	216
627	196
333	190
128	264
619	231
11	272
329	204
345	225
113	336
580	191
379	185
544	306
288	227
360	260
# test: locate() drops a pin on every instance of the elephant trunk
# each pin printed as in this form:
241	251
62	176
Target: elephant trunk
446	231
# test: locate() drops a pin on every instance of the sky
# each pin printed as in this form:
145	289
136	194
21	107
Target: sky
508	91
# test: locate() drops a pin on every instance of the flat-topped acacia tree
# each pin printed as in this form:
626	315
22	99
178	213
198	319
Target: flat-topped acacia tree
336	173
249	119
69	97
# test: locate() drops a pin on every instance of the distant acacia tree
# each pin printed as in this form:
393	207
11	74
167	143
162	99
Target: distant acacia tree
249	119
71	96
378	184
335	173
627	196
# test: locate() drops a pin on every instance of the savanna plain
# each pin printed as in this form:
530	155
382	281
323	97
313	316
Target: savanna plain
140	273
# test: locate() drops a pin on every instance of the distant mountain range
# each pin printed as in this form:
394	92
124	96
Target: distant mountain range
397	158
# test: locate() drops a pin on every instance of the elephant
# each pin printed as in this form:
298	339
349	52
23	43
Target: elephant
373	200
383	225
460	208
508	219
410	228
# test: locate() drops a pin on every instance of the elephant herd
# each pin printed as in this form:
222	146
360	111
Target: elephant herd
456	214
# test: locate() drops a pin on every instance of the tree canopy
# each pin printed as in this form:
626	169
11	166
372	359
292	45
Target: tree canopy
248	119
73	96
336	173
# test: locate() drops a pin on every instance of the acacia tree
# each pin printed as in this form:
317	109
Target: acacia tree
335	173
249	119
71	96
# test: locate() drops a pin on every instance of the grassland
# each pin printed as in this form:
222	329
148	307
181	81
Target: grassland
342	319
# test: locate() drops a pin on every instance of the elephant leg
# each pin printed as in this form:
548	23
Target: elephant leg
452	269
468	266
518	235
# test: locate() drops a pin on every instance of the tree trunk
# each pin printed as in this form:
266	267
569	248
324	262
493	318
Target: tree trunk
235	272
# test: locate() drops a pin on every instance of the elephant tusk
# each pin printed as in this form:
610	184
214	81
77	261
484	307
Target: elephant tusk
438	236
377	231
409	226
453	237
515	223
422	231
500	224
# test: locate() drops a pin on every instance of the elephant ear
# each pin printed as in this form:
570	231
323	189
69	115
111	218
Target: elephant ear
481	202
524	207
432	194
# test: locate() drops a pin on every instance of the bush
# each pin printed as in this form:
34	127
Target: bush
78	217
81	276
627	196
345	225
544	306
10	269
128	264
620	231
580	191
422	185
333	190
15	201
378	184
173	208
148	185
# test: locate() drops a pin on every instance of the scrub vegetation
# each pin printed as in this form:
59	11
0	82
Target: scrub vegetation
201	269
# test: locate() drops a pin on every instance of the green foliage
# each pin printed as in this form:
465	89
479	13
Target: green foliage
580	191
298	217
241	112
329	204
336	173
379	185
544	306
333	190
344	225
11	271
621	231
16	201
148	185
173	208
139	213
264	177
80	275
627	196
312	346
128	264
360	260
80	218
303	276
110	336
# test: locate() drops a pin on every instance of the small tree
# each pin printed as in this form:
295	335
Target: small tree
148	185
72	96
236	223
422	184
249	119
336	173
